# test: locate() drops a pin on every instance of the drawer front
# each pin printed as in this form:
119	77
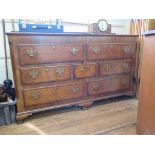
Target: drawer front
109	51
39	96
95	87
34	54
108	84
43	96
45	74
109	68
70	91
85	70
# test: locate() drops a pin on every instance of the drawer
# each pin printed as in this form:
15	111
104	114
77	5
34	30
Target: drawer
45	95
39	96
109	51
45	74
85	70
34	54
109	68
70	91
108	84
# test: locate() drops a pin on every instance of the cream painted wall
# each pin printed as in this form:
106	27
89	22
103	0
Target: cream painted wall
119	26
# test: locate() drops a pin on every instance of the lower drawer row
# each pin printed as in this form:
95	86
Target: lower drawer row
75	90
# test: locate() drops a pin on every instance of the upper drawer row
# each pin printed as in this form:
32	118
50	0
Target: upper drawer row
34	54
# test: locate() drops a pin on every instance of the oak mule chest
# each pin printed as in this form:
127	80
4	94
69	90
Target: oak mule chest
58	70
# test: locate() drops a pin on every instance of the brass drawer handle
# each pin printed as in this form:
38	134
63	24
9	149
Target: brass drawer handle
96	86
125	66
75	90
74	51
107	67
36	95
47	69
34	74
126	49
124	82
96	50
31	52
84	68
59	71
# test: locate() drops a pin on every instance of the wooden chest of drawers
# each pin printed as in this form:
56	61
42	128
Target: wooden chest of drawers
56	70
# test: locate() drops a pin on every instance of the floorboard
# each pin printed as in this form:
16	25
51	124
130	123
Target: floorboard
112	117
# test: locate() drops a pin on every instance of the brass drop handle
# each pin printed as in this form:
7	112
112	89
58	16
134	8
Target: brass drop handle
74	51
124	82
59	71
34	74
75	90
36	95
126	49
125	66
47	69
107	67
96	50
96	86
84	68
31	52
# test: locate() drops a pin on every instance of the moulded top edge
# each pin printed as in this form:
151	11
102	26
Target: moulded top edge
68	33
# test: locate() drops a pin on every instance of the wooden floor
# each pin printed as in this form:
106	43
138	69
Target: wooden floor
108	117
